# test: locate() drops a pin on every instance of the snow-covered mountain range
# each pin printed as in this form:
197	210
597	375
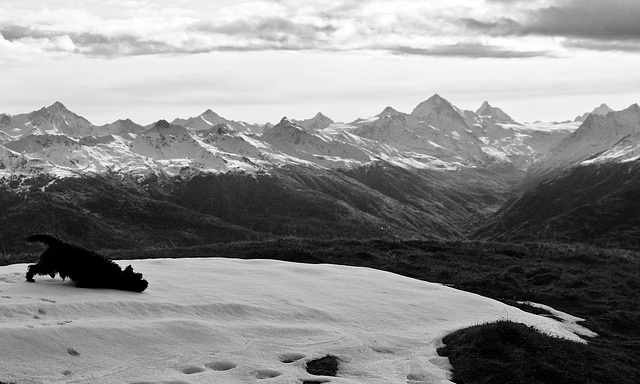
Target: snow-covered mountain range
438	171
435	135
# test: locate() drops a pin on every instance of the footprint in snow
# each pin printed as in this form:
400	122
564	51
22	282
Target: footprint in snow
161	382
420	376
222	365
288	358
266	374
191	369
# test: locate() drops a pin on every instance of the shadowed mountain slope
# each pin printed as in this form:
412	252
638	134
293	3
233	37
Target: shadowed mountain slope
597	203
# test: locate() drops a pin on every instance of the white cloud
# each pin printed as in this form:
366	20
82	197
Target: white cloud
116	28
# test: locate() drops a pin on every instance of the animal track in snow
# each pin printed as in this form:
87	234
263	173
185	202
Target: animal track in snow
288	358
191	369
420	376
382	349
161	382
222	365
47	300
41	312
266	374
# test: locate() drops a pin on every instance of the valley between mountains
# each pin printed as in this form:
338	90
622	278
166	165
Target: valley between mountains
438	172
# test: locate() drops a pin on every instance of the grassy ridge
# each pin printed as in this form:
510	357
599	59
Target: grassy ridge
600	285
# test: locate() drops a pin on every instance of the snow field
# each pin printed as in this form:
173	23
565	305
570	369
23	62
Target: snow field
237	321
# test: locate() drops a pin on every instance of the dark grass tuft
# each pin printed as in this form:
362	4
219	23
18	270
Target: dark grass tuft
325	366
508	352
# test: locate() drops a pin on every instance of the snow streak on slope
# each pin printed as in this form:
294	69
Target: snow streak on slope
237	321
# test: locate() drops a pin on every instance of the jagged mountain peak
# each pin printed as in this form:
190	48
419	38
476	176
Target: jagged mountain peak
58	105
627	116
210	113
209	119
285	131
54	109
602	110
55	118
165	128
615	123
439	112
437	105
319	121
496	114
486	109
436	98
634	108
388	111
286	122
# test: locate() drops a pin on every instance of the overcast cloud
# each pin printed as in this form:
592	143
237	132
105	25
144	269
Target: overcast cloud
585	24
493	28
259	60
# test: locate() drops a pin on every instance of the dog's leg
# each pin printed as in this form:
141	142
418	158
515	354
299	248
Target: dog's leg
39	269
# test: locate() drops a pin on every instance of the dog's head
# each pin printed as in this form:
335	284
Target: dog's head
132	281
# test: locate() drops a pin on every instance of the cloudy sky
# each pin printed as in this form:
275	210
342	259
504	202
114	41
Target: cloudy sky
259	60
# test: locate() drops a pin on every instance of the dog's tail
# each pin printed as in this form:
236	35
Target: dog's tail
44	238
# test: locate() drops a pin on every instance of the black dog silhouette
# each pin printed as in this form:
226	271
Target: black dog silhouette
86	268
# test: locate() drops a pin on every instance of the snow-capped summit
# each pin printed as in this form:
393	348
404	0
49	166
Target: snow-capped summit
595	136
209	119
58	118
295	141
285	127
495	114
318	122
54	119
437	106
205	120
439	112
388	111
434	130
121	127
602	110
174	147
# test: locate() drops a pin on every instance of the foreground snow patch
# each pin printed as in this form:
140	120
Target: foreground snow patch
237	321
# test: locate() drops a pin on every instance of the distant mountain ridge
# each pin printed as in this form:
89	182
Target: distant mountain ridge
594	137
438	171
436	134
602	110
